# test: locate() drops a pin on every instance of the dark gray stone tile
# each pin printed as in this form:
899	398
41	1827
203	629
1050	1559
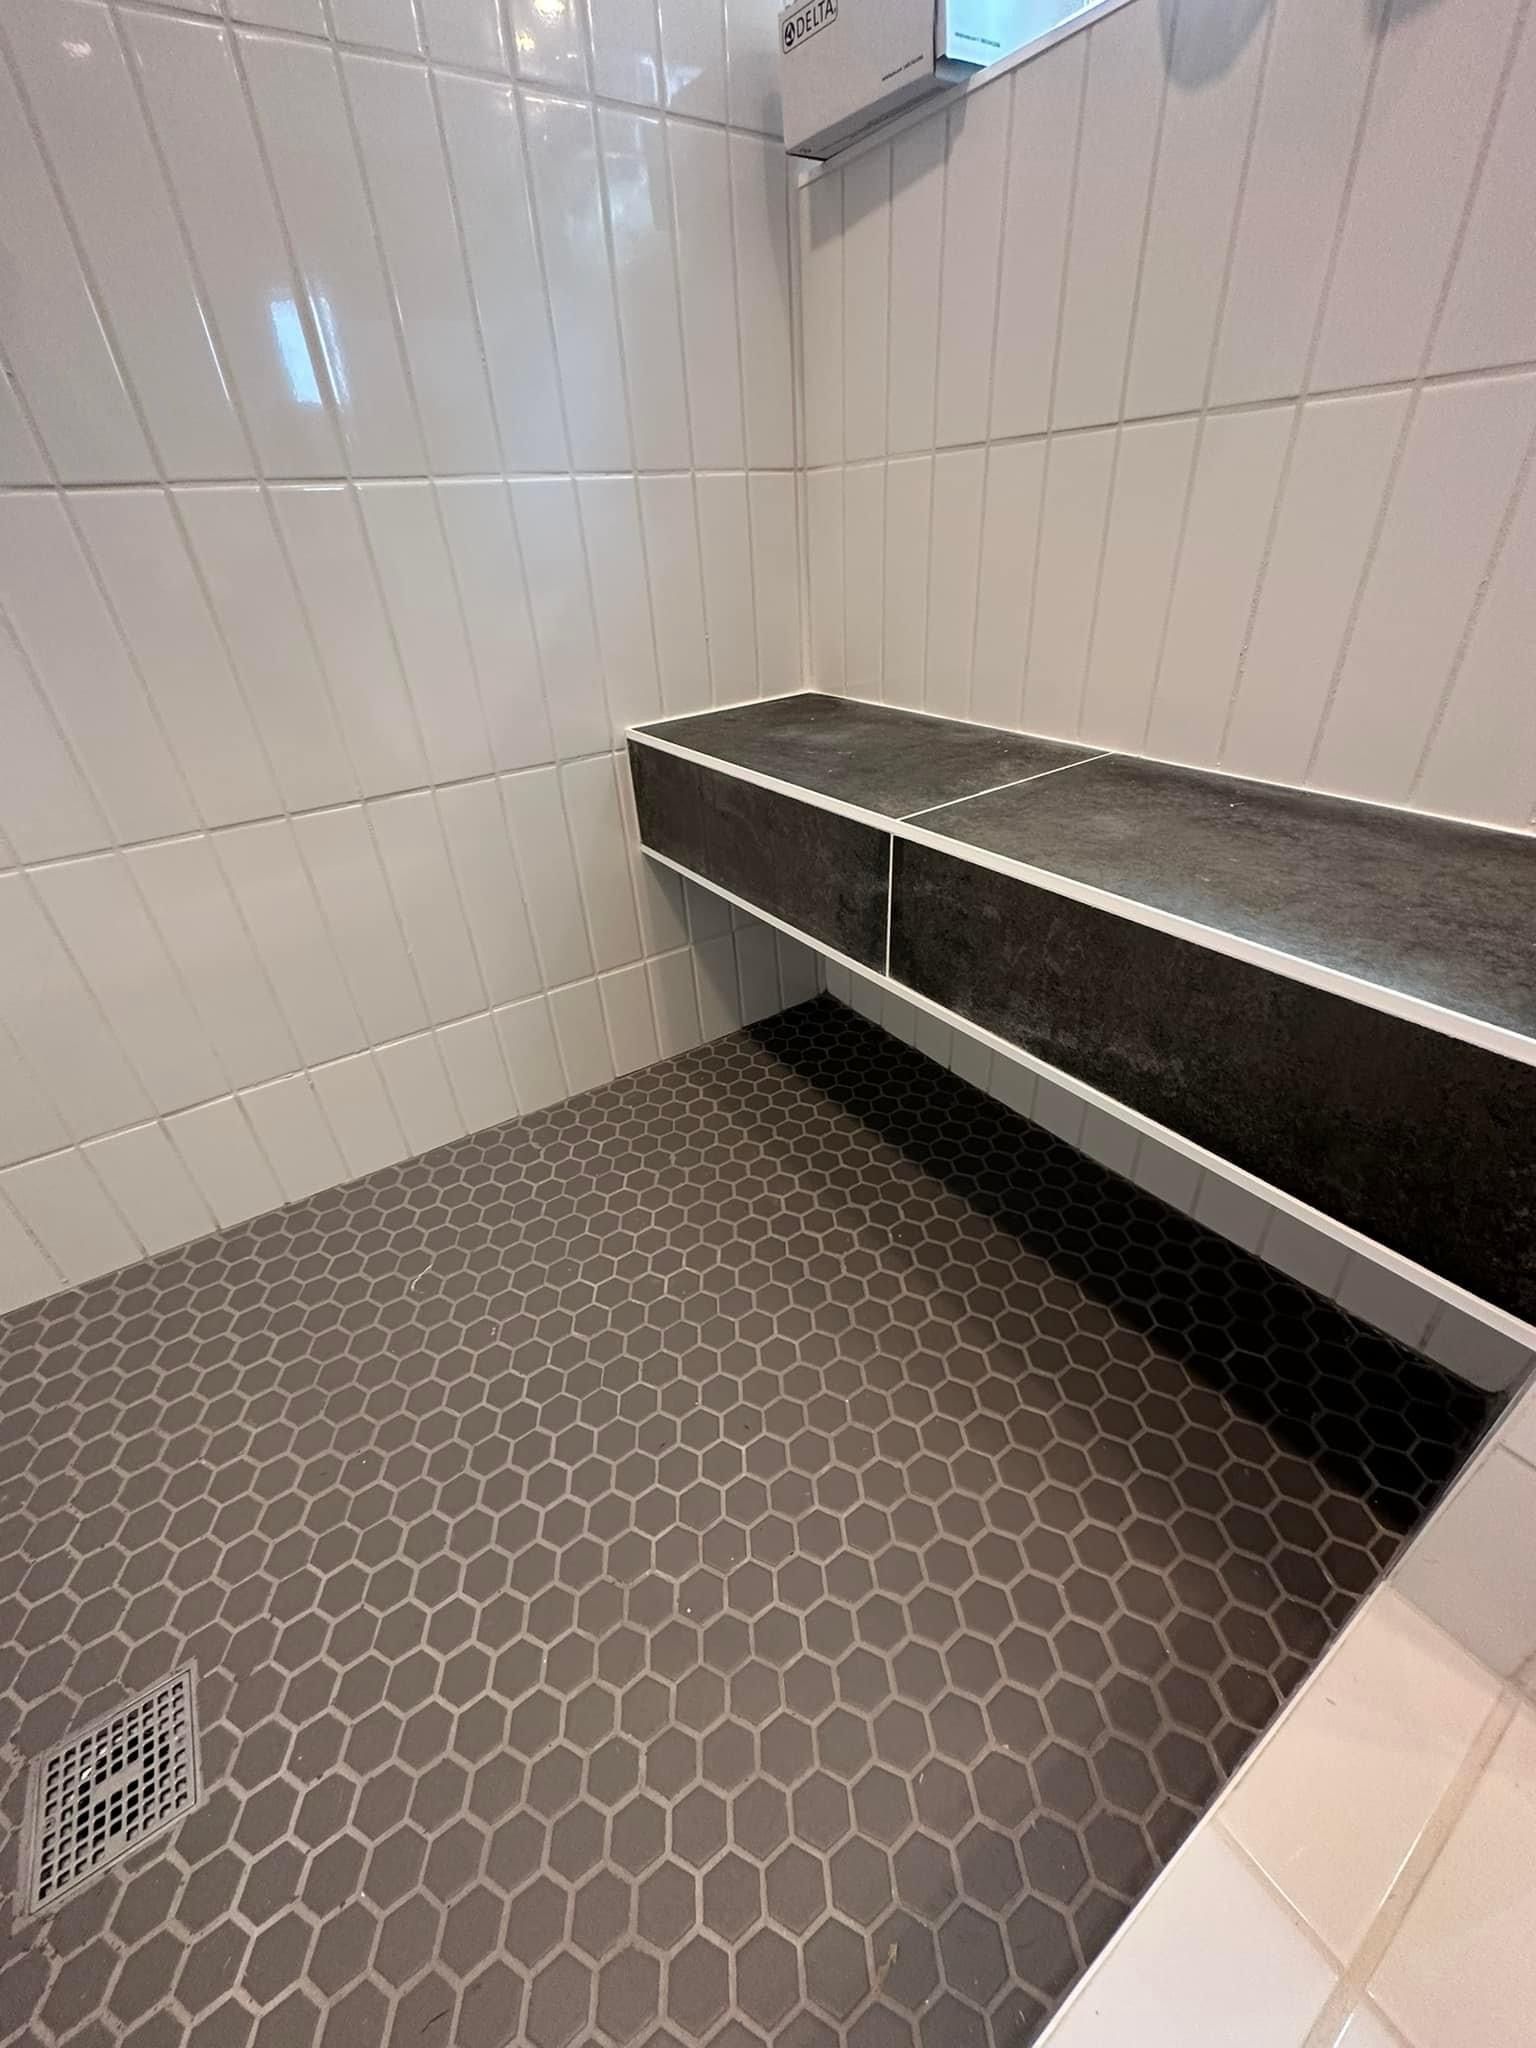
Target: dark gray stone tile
1435	910
882	759
1419	1140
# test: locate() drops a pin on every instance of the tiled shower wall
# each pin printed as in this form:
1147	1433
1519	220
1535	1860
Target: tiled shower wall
396	402
1173	391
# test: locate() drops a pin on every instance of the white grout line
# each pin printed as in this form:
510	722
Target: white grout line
1477	1031
954	802
1486	1312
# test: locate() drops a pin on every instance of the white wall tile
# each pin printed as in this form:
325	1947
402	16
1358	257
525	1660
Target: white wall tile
693	56
917	240
639	187
1058	1110
1079	469
560	594
292	1131
477	1072
970	1059
701	195
1232	500
1234	1212
1172	1176
866	278
1121	110
709	915
488	571
725	553
297	94
22	460
973	219
719	994
1459	467
1476	1352
262	865
548	43
864	578
1109	1139
676	1003
1010	531
46	805
26	1271
364	928
1458	1567
752	65
466	32
629	1018
1307	1254
824	596
153	588
418	1089
382	24
1490	312
536	821
908	530
77	81
954	564
591	800
775	581
1378	1295
64	1206
226	1162
757	972
480	852
1436	74
797	971
1047	106
358	1109
533	1060
29	1122
820	215
485	153
410	841
148	1183
670	524
626	51
764	313
577	1015
1334	490
562	150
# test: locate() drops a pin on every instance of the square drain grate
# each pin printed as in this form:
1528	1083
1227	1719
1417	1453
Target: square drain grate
104	1792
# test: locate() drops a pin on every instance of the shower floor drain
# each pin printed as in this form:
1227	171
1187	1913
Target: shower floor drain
104	1792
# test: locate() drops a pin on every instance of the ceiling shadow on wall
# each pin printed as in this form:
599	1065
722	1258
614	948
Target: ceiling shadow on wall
1203	39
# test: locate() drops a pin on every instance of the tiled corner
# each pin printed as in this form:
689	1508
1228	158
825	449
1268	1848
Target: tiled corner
1468	1567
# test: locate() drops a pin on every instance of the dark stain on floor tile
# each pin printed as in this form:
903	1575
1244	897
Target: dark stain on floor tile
773	1550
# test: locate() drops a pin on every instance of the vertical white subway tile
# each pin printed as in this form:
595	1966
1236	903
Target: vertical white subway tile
262	865
293	1133
865	997
582	1036
866	302
752	66
1436	76
958	478
410	842
676	1002
548	43
693	56
82	666
626	51
100	917
1327	516
1234	1212
153	588
1459	1569
1451	492
204	130
76	77
533	1060
26	1271
1488	1358
1386	1299
419	1093
29	1123
1309	112
973	222
235	544
54	341
726	555
66	1209
475	828
1109	1139
1126	82
1490	312
550	533
610	522
701	191
1462	774
306	17
864	577
562	148
757	970
329	555
1237	474
192	907
1170	1175
797	971
466	32
602	860
422	601
1058	1110
22	460
709	916
775	581
908	521
1079	468
760	216
719	992
46	805
631	1025
639	186
824	550
380	24
1207	122
677	591
488	570
297	94
1146	515
408	180
358	1110
1010	526
821	316
1306	1253
917	241
485	154
151	1188
931	1035
229	1167
477	1072
348	877
58	1029
1048	101
536	821
969	1059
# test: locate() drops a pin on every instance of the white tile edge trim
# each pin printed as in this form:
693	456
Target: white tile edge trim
1391	1002
1443	1290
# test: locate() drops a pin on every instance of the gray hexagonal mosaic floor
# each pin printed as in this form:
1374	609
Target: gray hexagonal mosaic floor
774	1550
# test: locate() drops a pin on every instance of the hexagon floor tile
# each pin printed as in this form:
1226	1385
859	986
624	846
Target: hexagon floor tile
773	1550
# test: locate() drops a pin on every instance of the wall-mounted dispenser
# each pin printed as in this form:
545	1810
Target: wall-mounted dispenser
849	64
